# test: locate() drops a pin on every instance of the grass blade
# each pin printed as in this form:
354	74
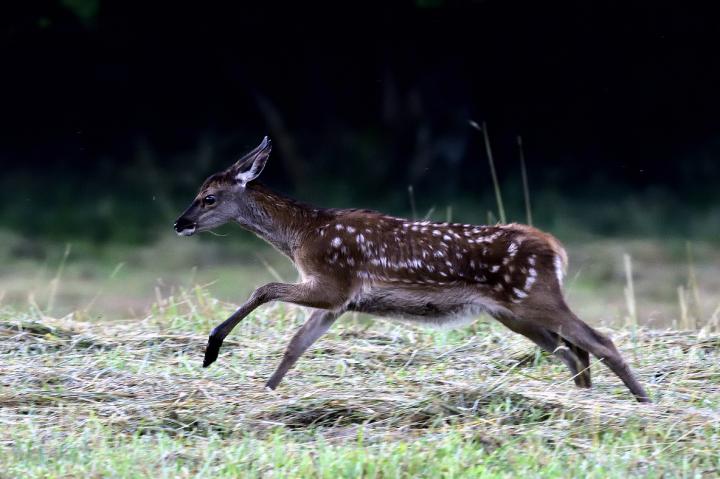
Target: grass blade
526	188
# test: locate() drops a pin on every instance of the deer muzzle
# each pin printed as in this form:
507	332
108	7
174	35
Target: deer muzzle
185	227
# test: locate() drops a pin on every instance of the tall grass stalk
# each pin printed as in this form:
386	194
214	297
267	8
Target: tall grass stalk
91	303
526	188
429	213
713	324
273	272
491	218
411	196
685	321
693	283
493	173
55	282
631	318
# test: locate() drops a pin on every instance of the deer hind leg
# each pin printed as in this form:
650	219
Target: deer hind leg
317	325
314	295
576	359
563	322
582	362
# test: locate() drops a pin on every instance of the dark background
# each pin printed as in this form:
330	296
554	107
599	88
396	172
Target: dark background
114	111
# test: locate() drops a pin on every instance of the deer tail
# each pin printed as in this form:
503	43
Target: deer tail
560	259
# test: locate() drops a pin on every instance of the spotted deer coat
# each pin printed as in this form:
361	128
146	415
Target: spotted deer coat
420	271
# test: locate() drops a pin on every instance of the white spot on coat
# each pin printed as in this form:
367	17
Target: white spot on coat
519	293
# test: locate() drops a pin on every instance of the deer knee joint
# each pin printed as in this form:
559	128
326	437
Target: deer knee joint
260	294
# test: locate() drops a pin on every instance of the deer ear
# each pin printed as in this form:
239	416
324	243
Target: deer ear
251	165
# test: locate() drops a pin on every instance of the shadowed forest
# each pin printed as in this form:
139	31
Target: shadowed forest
594	121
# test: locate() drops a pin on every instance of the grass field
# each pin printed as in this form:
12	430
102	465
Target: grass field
100	373
371	399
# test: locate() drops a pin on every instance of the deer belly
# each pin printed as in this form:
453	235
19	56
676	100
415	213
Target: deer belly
441	308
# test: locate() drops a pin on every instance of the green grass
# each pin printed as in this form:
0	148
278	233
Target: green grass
99	453
370	399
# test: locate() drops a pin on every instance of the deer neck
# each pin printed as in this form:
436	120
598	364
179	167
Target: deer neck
277	219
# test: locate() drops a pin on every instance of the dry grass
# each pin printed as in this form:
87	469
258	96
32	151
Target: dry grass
372	382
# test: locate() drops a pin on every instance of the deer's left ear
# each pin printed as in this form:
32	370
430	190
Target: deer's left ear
251	165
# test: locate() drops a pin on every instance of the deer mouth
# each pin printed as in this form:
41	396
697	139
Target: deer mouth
185	228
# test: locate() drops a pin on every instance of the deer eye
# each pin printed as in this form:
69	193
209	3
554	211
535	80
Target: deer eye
209	200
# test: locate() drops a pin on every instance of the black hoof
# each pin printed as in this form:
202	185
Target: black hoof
583	382
212	350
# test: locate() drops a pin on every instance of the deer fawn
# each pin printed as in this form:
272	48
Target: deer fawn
425	272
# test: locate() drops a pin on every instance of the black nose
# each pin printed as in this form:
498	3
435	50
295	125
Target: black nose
183	224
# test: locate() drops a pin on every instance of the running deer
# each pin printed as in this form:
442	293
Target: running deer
419	271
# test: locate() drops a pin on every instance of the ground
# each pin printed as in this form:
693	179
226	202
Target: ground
101	353
371	399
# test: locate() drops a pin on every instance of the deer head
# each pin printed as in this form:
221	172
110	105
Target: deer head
223	196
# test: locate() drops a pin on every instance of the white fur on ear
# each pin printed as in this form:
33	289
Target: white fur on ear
250	167
244	177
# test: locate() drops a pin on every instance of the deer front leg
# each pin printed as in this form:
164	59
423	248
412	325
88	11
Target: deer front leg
317	325
313	294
